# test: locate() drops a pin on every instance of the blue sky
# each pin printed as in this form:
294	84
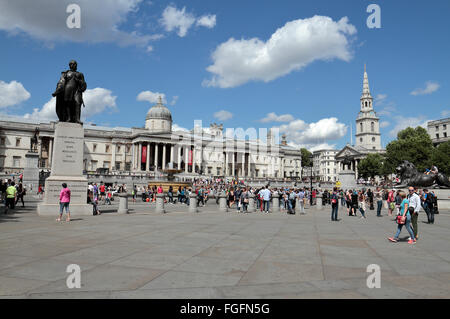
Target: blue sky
182	49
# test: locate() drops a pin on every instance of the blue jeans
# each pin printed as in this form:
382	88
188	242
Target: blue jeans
62	206
334	211
379	205
266	205
408	227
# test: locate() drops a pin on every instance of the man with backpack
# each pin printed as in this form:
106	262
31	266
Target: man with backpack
334	205
429	205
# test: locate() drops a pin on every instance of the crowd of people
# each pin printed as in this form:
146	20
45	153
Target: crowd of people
11	193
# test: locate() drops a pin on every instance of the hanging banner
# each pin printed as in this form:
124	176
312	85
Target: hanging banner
190	157
144	154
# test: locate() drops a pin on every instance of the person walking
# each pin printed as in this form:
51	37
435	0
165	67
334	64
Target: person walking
429	205
354	198
362	203
403	219
301	201
245	198
20	193
265	194
334	205
64	201
391	202
414	208
291	198
11	196
379	199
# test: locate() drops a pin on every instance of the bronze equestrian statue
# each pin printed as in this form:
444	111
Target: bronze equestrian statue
69	94
409	176
34	141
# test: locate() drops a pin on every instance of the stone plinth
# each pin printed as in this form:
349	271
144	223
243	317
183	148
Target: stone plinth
193	203
123	203
160	203
347	179
31	172
223	203
275	202
251	203
67	167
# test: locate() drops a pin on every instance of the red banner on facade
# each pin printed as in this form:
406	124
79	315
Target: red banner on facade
190	157
144	154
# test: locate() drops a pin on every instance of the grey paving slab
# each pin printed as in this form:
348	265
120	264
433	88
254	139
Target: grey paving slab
220	255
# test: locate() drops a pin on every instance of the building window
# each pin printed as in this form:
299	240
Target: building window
118	166
106	164
373	139
118	149
17	142
360	139
94	147
93	165
437	135
372	126
361	126
437	128
445	134
16	161
107	148
128	149
2	141
444	126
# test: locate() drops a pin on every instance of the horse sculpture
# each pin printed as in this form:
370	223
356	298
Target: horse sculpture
409	176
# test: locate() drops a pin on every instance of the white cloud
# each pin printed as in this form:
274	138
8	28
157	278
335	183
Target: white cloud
12	93
174	100
180	20
384	124
445	113
152	97
46	20
430	87
272	117
380	98
223	115
404	122
97	101
149	49
388	110
310	135
176	127
208	21
292	47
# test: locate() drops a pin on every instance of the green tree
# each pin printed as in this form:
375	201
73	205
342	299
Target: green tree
371	166
413	145
306	160
441	157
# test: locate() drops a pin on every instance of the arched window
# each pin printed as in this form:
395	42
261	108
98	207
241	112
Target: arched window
360	139
361	126
372	126
366	103
373	139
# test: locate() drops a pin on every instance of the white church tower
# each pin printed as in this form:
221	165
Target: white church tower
367	122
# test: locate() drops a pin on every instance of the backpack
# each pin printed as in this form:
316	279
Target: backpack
334	198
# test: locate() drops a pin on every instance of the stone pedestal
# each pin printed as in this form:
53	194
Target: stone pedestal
123	203
347	179
275	202
251	203
223	203
319	205
193	203
160	203
67	167
31	173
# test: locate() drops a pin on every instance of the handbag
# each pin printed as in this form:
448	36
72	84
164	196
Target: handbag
400	220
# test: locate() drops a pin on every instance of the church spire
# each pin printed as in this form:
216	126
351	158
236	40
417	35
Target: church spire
366	90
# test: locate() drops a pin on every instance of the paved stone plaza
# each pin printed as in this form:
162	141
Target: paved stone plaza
214	254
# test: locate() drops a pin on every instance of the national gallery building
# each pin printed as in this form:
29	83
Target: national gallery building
154	148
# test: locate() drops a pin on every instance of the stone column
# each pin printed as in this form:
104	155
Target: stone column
243	165
156	156
223	202
123	203
226	173
186	160
147	163
193	203
275	202
39	151
139	160
133	157
251	203
319	205
113	157
232	165
249	164
171	154
356	169
160	203
164	157
179	156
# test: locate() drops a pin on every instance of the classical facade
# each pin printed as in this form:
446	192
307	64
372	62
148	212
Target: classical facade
439	131
149	150
368	137
325	165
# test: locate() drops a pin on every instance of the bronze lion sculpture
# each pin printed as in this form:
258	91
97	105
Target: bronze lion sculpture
409	176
